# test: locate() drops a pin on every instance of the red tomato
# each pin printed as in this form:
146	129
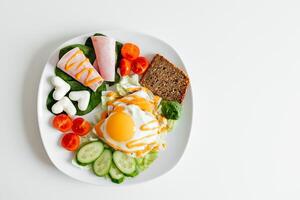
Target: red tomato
125	67
62	122
80	126
130	51
140	65
70	141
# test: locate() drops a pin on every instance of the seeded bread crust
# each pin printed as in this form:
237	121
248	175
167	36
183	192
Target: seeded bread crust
165	79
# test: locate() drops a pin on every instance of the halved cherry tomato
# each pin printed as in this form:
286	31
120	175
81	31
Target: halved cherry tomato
62	122
125	67
80	126
140	65
70	141
130	51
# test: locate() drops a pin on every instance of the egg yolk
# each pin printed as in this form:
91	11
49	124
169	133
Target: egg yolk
120	126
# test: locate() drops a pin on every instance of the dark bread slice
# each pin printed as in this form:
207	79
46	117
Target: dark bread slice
165	79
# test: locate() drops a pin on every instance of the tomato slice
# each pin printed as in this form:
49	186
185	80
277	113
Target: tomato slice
62	122
80	126
125	67
70	141
140	65
130	51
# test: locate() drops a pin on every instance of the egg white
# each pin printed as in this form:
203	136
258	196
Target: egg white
139	117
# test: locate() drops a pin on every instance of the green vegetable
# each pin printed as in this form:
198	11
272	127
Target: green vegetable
115	174
102	165
95	98
171	109
88	153
124	163
146	161
87	51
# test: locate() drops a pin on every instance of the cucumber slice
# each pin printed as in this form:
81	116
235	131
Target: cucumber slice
88	153
102	165
133	174
124	163
115	174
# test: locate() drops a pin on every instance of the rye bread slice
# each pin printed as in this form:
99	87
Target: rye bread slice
165	80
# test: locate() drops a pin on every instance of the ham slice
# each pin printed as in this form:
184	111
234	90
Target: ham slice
95	64
78	66
106	56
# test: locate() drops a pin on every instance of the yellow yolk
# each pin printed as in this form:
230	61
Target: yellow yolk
138	101
120	126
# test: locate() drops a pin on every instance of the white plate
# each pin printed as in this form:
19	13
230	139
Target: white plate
176	140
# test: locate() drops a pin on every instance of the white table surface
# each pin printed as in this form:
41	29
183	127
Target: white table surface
243	58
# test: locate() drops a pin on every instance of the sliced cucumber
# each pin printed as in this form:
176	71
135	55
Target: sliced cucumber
102	165
115	174
124	163
133	174
88	153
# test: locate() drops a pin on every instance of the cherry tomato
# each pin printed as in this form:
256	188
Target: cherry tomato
140	65
70	141
62	122
125	67
130	51
80	126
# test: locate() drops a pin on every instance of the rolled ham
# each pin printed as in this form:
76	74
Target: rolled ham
105	56
78	66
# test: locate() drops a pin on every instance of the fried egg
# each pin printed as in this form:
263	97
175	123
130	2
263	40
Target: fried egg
132	124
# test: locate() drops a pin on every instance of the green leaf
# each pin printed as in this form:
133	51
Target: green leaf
171	109
50	101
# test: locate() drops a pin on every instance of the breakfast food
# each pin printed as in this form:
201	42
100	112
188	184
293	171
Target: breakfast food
105	56
78	66
82	97
61	88
132	123
165	80
64	105
131	109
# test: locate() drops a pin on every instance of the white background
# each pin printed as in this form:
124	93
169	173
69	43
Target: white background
243	60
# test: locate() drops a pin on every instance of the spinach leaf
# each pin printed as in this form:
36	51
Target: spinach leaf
88	51
50	101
